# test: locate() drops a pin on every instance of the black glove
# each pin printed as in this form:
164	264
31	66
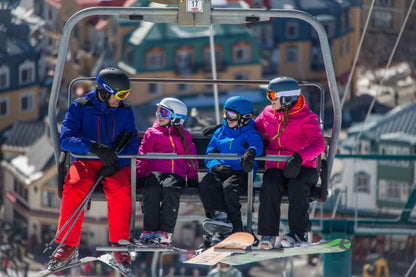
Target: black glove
223	171
292	167
193	183
105	153
247	161
210	129
109	170
140	182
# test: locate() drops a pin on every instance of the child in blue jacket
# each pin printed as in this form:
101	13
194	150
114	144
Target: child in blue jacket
227	179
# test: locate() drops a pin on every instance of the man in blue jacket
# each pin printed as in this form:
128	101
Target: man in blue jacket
92	124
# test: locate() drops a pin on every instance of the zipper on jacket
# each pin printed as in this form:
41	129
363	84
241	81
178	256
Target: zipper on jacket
98	129
231	142
105	120
173	147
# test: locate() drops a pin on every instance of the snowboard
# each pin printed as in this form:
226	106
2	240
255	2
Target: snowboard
108	260
135	246
47	272
236	241
256	255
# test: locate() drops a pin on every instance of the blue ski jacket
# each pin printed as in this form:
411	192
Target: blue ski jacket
227	140
88	119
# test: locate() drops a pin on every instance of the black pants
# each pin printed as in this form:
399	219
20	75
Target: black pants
274	186
217	195
161	193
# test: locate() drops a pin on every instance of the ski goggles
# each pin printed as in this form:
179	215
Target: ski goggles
273	95
168	114
164	112
120	95
231	115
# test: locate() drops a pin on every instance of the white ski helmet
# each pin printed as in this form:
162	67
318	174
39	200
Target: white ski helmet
177	107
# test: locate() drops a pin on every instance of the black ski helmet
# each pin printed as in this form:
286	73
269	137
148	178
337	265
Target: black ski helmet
110	81
285	88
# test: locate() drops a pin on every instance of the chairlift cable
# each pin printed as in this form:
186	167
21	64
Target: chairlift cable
384	75
347	87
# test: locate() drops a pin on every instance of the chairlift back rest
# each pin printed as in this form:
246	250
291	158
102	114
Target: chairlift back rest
318	192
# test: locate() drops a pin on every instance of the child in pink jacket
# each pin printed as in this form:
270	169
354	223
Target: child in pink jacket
163	179
292	129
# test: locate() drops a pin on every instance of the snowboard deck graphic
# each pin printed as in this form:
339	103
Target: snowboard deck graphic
255	255
108	260
82	261
236	241
126	245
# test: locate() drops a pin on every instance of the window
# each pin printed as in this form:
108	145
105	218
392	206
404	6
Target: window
20	189
155	58
184	61
4	77
183	88
26	101
4	106
49	199
292	29
362	182
26	73
155	88
207	58
382	19
384	3
292	54
392	190
241	52
128	55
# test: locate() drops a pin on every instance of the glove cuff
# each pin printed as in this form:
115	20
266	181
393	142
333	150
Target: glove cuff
94	146
297	157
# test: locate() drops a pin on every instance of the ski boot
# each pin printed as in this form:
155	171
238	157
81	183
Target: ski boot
65	255
218	224
161	237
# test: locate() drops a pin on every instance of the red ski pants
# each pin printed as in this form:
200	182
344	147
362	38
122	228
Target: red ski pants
81	177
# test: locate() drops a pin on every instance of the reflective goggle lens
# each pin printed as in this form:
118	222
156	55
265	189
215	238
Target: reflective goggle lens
122	94
231	115
271	95
164	113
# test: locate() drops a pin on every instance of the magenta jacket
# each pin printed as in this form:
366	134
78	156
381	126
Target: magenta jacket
159	139
302	134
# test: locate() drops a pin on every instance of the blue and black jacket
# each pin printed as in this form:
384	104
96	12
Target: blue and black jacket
88	120
227	140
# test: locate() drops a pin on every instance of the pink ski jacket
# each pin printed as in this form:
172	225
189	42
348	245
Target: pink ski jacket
159	139
302	134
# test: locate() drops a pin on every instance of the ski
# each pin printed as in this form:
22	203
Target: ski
75	263
109	260
126	245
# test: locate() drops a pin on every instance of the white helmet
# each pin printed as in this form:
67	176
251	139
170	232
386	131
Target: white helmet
177	107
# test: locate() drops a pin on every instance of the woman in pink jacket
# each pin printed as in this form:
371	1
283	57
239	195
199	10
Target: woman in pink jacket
163	179
291	129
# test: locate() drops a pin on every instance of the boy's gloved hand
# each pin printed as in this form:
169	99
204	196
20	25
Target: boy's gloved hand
223	171
292	167
109	170
105	153
247	161
193	183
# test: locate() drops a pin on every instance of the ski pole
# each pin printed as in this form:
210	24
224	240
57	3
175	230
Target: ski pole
76	213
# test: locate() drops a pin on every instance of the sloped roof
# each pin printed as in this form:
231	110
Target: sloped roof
400	120
25	133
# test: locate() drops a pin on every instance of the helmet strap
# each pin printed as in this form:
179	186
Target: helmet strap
105	95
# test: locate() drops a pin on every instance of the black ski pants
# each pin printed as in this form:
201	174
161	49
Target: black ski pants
218	195
274	186
161	193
